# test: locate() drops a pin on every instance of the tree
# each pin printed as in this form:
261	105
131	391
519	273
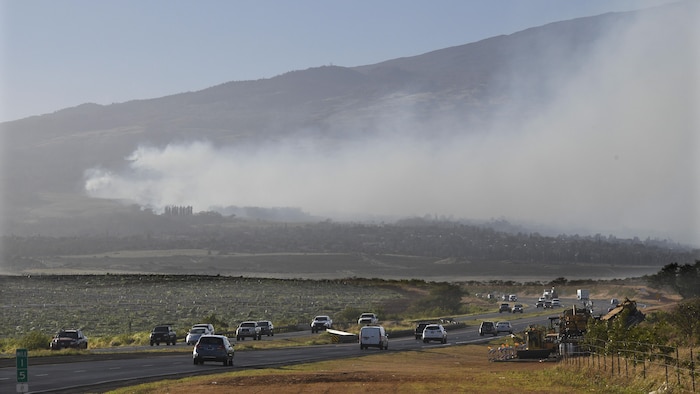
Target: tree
686	317
684	279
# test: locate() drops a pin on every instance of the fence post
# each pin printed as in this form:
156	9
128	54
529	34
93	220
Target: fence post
605	362
692	368
678	367
612	365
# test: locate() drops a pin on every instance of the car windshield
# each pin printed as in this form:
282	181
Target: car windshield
248	324
161	329
263	323
197	331
321	318
68	334
432	328
210	341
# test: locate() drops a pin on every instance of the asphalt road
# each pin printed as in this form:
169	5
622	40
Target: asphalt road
97	375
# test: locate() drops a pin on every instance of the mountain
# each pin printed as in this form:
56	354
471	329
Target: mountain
472	85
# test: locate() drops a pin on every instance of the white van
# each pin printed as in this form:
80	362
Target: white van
373	336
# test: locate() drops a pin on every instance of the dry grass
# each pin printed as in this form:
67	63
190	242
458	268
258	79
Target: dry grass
449	369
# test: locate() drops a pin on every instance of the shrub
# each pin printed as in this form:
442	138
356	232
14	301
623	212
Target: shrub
34	340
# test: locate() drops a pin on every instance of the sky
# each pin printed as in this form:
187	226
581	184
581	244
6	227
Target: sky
616	151
59	54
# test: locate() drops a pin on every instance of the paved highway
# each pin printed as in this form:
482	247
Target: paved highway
84	376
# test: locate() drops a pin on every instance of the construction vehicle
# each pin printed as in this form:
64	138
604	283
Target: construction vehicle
541	342
634	315
572	323
563	335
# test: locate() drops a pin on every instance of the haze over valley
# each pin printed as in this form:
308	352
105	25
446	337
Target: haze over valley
587	126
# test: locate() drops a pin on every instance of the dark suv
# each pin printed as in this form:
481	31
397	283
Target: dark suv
74	339
266	328
487	327
419	329
164	334
213	348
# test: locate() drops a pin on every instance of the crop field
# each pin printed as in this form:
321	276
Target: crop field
318	266
116	304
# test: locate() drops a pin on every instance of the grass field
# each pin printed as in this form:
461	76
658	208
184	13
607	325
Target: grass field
459	369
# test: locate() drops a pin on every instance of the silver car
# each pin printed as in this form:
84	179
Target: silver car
213	348
194	335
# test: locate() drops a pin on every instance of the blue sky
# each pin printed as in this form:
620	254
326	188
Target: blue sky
59	54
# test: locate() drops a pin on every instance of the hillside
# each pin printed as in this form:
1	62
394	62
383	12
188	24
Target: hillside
461	90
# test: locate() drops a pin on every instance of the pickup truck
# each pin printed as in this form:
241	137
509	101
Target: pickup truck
321	322
164	334
248	329
367	318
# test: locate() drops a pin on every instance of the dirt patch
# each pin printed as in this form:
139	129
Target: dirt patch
455	368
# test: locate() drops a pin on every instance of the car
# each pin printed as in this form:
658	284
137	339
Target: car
555	302
248	329
164	334
209	327
373	336
504	326
69	339
539	304
505	307
487	327
321	322
266	328
195	333
419	329
213	348
547	304
367	318
512	297
434	332
517	308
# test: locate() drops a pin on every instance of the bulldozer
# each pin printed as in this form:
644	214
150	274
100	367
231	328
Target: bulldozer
540	341
565	332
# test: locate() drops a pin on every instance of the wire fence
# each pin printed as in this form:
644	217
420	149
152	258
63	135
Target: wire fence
665	366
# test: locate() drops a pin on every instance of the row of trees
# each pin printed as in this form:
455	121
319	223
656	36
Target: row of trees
432	239
683	279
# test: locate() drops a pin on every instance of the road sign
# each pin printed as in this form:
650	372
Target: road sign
22	370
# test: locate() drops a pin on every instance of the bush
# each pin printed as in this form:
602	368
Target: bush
34	340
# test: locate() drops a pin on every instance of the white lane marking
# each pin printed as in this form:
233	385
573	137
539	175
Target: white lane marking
147	365
80	370
42	374
116	368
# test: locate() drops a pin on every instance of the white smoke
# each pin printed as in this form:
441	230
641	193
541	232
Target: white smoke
616	151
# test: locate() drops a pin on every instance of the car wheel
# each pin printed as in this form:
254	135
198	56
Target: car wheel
225	362
425	341
230	362
444	341
151	343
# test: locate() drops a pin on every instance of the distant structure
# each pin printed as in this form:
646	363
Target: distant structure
176	210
